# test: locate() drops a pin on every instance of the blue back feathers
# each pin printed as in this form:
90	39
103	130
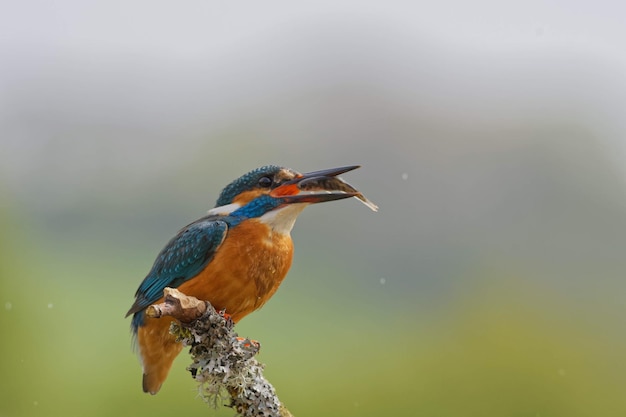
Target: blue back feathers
184	256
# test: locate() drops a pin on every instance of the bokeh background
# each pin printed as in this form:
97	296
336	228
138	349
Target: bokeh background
491	134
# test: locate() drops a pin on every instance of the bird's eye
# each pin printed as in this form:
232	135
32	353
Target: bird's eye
265	182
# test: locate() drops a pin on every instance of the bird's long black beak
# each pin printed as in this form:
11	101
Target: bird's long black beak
332	172
316	187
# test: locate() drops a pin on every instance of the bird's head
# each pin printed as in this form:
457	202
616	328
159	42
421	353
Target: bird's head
277	194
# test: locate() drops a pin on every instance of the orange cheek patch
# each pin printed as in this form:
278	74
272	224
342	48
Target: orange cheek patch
247	196
283	190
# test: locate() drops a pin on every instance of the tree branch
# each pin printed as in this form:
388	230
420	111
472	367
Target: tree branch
223	363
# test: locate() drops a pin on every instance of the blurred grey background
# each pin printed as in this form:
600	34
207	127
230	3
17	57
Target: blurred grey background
491	134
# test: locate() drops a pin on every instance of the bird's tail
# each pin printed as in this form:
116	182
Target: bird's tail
158	349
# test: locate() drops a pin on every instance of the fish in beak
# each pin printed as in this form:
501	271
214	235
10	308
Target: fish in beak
320	186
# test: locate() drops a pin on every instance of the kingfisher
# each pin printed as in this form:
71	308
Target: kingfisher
235	257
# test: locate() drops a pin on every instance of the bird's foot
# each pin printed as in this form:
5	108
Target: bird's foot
227	317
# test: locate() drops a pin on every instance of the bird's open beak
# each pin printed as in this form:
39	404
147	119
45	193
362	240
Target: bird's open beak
316	187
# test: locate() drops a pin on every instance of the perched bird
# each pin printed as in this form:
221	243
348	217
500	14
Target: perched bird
235	257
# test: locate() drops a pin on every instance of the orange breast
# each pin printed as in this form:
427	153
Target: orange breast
244	273
246	270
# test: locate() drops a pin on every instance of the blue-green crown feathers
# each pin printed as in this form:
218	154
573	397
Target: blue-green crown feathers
245	182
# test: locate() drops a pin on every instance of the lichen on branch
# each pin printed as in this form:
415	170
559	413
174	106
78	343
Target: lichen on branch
223	363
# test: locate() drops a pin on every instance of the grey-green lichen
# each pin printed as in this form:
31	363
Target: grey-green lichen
225	367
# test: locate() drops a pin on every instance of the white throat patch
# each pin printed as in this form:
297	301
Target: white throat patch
282	219
225	210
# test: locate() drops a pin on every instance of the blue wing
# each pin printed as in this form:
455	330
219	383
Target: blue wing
180	260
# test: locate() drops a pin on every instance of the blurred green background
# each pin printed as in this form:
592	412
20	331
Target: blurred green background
491	281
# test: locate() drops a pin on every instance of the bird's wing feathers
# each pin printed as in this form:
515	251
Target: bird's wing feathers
182	258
